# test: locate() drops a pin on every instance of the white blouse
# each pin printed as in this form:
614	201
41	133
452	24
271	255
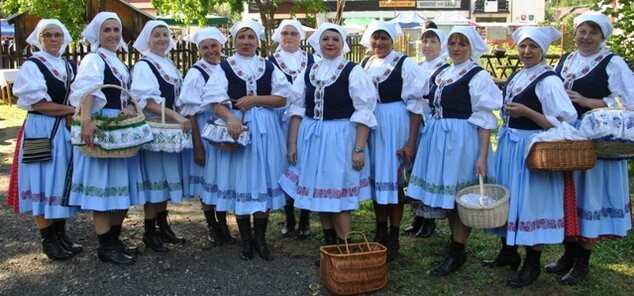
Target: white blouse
190	99
293	60
485	95
414	82
620	77
429	67
360	88
550	92
145	85
90	74
216	89
30	84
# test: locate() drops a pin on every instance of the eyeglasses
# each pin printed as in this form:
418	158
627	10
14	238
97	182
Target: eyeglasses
292	34
51	35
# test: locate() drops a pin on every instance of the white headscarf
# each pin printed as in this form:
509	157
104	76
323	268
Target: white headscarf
599	18
34	38
91	32
443	40
543	36
142	43
392	29
478	46
206	33
314	39
253	25
277	35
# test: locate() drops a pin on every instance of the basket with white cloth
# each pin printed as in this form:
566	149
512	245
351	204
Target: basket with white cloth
611	129
483	206
559	149
168	134
217	132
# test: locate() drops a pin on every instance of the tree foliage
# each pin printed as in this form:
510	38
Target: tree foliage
70	12
622	41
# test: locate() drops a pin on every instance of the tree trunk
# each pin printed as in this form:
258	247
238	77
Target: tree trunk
341	4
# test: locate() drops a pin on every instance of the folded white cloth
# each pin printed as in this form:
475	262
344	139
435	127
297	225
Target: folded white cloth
475	200
609	124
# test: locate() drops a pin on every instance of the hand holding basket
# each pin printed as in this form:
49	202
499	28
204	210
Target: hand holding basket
217	132
168	135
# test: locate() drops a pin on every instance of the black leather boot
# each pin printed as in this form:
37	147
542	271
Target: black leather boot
530	270
565	262
259	238
165	231
109	252
508	256
417	223
380	233
330	236
289	223
455	258
579	271
225	233
303	229
213	228
65	241
393	243
151	239
244	225
428	228
52	247
126	249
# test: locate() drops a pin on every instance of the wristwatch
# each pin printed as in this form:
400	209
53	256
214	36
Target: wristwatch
357	149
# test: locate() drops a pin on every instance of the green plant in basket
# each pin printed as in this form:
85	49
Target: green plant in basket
106	121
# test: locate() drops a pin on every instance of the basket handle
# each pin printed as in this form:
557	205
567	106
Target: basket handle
481	180
100	86
348	235
215	111
163	110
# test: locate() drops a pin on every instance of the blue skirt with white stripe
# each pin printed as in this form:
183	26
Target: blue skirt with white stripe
162	176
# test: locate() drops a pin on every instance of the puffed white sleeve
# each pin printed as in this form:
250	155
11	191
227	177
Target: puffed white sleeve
30	86
620	82
556	103
280	85
144	85
364	97
215	90
191	93
485	97
415	84
89	74
297	105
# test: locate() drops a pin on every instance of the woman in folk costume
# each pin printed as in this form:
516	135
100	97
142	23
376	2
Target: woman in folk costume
331	115
42	86
291	60
454	148
594	77
156	81
534	100
392	144
106	186
246	179
209	42
435	52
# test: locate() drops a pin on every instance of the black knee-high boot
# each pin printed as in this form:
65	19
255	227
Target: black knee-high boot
151	239
303	229
244	225
380	232
565	262
530	270
259	238
452	261
330	236
65	241
108	250
508	256
51	246
213	227
417	223
126	249
226	235
165	231
393	243
579	271
289	223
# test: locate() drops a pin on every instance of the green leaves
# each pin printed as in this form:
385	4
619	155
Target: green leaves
622	41
69	12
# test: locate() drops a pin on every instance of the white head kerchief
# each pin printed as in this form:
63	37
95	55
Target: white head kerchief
91	32
277	35
314	39
543	36
392	29
142	43
478	46
34	38
253	25
443	40
207	33
596	17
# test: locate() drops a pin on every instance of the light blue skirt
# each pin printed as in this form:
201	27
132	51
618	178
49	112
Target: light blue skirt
389	136
246	179
323	179
536	208
106	184
162	177
603	199
446	162
41	184
284	121
193	173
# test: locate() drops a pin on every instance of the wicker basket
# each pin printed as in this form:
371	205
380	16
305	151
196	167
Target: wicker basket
598	125
226	145
561	156
99	152
175	141
355	268
485	216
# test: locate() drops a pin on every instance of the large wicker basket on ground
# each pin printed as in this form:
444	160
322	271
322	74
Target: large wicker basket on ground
168	134
353	268
484	216
559	156
105	145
